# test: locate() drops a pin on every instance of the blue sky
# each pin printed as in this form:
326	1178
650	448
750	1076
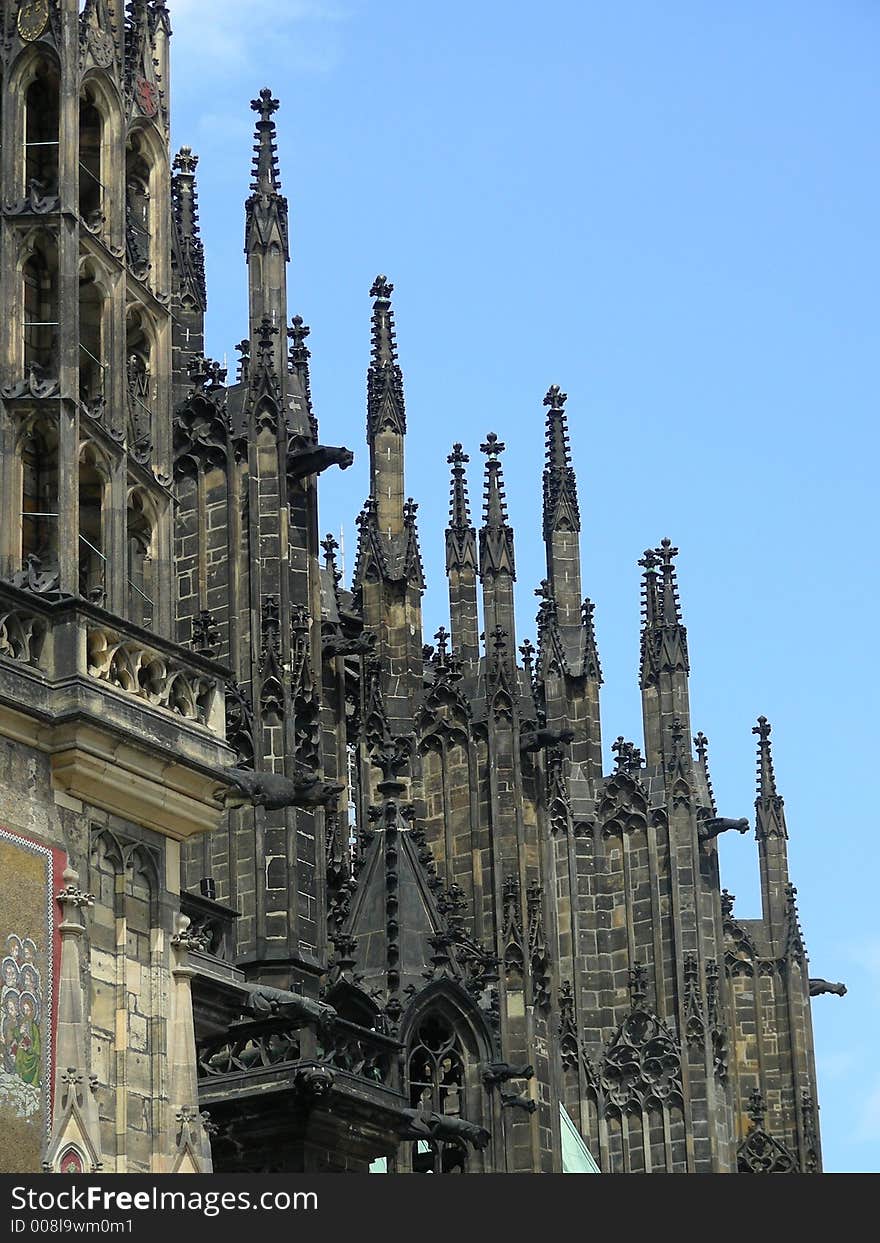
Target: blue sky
671	211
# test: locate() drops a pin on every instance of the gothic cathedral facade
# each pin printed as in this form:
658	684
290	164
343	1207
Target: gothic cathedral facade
285	887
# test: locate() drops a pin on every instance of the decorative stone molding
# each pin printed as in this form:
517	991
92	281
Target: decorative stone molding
22	636
138	670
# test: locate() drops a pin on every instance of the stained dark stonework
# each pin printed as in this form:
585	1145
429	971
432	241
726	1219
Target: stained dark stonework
420	917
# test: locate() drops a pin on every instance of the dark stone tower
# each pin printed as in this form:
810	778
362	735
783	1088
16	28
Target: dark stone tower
364	899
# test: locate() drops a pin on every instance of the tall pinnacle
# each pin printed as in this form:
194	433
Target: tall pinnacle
771	835
266	180
385	404
461	544
185	207
300	388
267	206
461	561
561	511
494	500
770	817
496	536
664	638
562	520
497	567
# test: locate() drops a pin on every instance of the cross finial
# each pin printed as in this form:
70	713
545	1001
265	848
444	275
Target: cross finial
638	985
555	398
492	447
628	755
756	1108
442	637
298	331
266	105
186	161
701	742
666	554
381	288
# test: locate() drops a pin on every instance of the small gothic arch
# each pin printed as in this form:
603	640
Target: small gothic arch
100	117
36	81
38	464
105	864
446	1042
139	197
93	483
93	297
40	303
140	346
140	536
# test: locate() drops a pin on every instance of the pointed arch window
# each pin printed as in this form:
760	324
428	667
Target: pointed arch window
40	298
91	185
39	496
138	208
41	129
139	385
436	1068
140	529
92	559
92	367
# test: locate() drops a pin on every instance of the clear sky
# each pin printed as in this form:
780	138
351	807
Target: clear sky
671	211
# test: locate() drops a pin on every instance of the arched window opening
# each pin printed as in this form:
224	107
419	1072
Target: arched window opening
42	116
138	213
138	352
91	186
92	560
436	1073
139	539
39	498
91	339
40	277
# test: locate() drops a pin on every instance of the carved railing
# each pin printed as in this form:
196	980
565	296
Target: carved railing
22	635
66	638
137	669
278	1042
213	923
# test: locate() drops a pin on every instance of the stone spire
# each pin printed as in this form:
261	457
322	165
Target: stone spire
562	521
266	232
386	414
461	561
771	834
497	565
664	665
300	384
190	248
496	535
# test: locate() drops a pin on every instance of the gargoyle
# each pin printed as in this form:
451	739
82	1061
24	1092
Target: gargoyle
339	645
819	987
315	459
500	1072
264	1001
537	739
713	827
509	1101
274	791
430	1125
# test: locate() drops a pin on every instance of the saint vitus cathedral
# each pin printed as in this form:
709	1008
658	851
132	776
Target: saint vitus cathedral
285	887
